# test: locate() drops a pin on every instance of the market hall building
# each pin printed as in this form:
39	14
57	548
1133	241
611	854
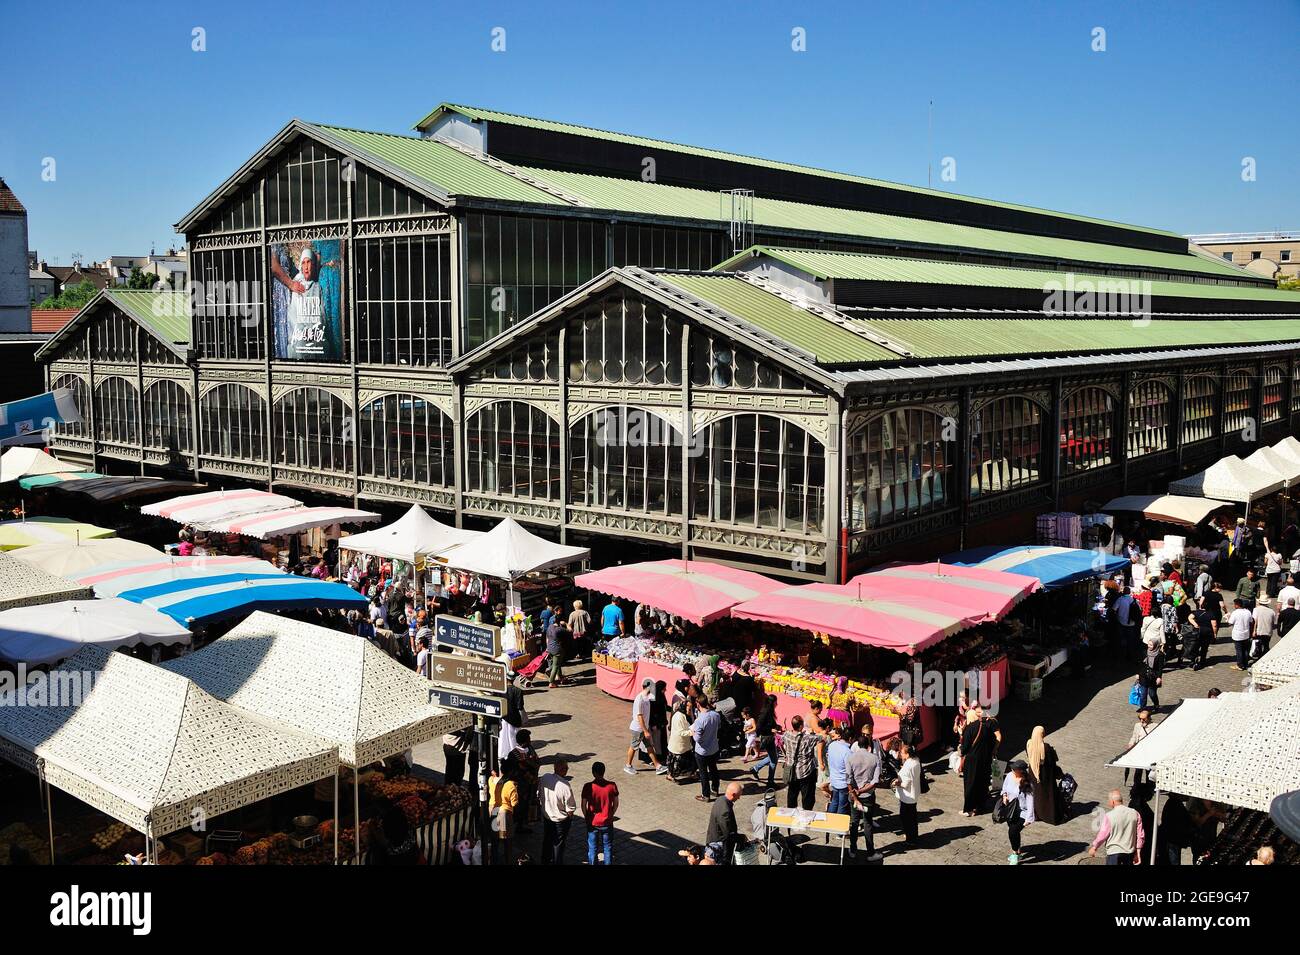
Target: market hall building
663	350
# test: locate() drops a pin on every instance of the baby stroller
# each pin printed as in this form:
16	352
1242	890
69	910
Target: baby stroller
529	673
731	735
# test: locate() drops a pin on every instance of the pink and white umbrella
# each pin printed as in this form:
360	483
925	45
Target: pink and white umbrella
290	520
203	509
113	579
694	590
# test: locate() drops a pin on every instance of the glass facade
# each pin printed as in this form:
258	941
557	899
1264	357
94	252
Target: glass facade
626	459
1087	430
313	429
513	449
761	471
168	422
1274	392
226	299
1150	419
625	340
403	300
1007	441
405	438
113	337
232	424
900	466
80	394
1238	401
116	411
659	247
305	187
1200	409
717	363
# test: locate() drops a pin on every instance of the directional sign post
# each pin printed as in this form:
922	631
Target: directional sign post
479	705
469	673
465	634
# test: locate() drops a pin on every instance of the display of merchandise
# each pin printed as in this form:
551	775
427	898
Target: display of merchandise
1061	529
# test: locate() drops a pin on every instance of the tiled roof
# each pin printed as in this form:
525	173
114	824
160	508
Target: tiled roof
50	320
8	201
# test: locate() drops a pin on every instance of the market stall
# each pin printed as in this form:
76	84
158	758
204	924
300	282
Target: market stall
290	520
1229	479
40	636
1169	735
37	481
1053	566
330	685
42	530
413	535
17	463
1168	508
200	510
697	591
22	585
151	749
1281	664
115	489
1275	464
68	557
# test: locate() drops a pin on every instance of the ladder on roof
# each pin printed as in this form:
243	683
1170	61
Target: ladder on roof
736	207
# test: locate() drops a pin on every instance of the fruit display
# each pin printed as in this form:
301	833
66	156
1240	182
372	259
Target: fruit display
836	692
107	838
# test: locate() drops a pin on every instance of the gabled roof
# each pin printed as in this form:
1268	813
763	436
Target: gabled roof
833	346
8	201
50	320
164	315
861	267
660	145
453	175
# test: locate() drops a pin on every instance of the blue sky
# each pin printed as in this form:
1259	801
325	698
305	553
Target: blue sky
1151	131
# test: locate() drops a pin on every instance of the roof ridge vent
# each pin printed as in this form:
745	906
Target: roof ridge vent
831	315
515	173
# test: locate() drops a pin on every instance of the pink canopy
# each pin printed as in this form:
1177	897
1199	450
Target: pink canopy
290	520
903	607
694	590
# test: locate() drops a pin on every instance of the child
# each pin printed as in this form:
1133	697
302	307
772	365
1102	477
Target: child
751	736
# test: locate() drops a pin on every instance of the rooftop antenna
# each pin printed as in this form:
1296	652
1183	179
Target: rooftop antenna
929	147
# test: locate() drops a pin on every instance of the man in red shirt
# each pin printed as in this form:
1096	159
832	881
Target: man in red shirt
599	808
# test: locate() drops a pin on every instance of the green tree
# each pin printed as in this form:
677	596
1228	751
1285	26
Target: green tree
141	281
74	296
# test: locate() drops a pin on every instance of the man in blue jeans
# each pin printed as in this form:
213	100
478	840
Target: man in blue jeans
599	808
705	730
837	765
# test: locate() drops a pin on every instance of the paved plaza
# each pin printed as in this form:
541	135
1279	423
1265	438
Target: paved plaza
1088	719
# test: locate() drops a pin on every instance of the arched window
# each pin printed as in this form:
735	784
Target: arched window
232	423
1087	430
1150	411
626	458
761	471
313	429
75	384
167	419
900	466
625	339
1238	400
116	409
1006	446
406	438
1274	375
1200	408
513	448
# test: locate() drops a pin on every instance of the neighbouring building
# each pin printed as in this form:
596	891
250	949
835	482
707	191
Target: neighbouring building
744	360
77	274
172	268
1270	254
15	282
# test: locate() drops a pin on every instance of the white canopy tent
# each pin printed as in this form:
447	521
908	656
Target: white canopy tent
1168	736
40	636
69	557
1288	447
1229	479
1246	756
1273	463
203	509
322	682
24	462
508	552
290	520
22	585
1281	664
1172	508
414	534
150	748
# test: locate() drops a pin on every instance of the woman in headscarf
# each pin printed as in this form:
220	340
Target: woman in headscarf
681	744
659	720
1043	773
979	741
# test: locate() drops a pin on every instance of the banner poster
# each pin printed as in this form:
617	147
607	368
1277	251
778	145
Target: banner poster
306	300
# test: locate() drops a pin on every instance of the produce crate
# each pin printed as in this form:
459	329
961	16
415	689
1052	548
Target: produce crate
1029	690
1022	670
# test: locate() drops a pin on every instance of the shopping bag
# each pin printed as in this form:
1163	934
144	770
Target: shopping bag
1135	695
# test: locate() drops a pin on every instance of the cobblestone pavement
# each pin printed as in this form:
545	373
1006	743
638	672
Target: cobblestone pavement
1087	717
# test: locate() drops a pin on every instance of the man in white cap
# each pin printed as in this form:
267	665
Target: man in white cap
306	309
640	729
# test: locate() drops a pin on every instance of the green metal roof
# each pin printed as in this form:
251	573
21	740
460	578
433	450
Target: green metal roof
830	342
442	166
477	113
978	337
649	198
856	266
164	314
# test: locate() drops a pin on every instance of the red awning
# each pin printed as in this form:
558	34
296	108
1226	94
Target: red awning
695	590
